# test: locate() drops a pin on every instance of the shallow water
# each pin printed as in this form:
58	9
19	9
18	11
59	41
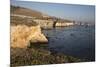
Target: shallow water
77	41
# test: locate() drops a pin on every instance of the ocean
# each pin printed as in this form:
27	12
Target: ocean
76	41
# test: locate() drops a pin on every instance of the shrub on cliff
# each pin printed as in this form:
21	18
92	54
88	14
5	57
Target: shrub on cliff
38	56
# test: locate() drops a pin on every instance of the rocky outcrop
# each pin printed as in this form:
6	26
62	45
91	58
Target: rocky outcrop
21	35
45	24
62	24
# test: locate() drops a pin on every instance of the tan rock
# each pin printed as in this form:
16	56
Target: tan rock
21	35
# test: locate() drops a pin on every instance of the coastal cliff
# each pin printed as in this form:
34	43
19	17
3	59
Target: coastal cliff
64	24
28	16
21	35
27	40
26	26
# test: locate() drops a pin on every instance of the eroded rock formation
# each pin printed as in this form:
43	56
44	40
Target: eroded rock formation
21	35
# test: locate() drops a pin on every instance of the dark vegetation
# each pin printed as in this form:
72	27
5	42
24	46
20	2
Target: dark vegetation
38	55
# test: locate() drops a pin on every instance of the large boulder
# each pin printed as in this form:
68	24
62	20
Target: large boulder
21	35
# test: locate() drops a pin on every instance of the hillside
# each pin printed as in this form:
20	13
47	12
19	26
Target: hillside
33	13
25	11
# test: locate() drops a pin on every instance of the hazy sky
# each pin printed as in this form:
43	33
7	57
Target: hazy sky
84	13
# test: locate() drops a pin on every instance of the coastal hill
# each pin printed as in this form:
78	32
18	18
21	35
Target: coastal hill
28	16
25	11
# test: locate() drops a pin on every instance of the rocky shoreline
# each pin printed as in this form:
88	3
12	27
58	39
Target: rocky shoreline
22	35
28	42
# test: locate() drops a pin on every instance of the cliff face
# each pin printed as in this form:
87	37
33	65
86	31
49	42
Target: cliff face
45	24
21	35
61	24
